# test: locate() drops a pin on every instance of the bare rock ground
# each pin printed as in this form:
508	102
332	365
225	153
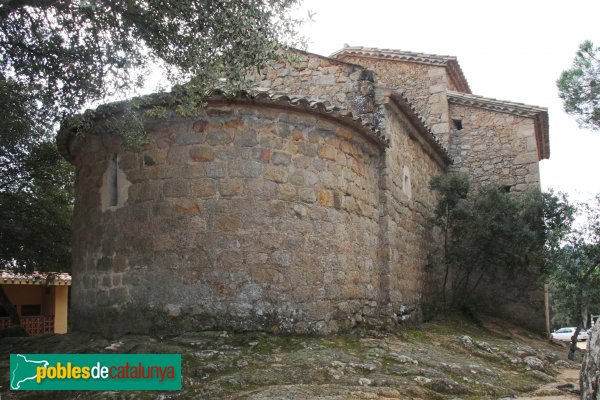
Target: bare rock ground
452	359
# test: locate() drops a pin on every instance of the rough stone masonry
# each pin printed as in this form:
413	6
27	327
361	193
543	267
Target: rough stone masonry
303	207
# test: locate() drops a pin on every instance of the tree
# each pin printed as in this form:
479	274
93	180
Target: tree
579	86
35	191
452	188
574	268
492	232
67	54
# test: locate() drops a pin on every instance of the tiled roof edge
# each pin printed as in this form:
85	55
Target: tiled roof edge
8	277
243	97
450	62
400	101
538	114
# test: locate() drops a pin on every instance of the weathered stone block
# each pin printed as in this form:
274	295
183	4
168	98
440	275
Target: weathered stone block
203	188
307	195
279	158
187	207
219	138
297	178
201	154
327	152
231	187
178	155
148	191
246	139
227	223
262	189
194	170
245	168
119	263
282	258
325	198
188	138
176	188
216	170
233	124
303	162
286	192
265	275
276	174
199	125
104	264
525	158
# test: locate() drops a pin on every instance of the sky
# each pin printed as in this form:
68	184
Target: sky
509	50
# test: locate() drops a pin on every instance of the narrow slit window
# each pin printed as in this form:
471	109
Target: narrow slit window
457	123
406	185
113	184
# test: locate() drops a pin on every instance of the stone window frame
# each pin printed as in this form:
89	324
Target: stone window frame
406	182
457	123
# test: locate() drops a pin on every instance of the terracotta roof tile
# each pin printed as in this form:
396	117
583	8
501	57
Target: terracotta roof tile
34	278
402	102
538	114
257	96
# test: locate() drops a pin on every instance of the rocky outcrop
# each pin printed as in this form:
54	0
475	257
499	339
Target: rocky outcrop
590	371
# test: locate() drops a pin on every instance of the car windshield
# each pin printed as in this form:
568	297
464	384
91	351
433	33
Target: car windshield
564	330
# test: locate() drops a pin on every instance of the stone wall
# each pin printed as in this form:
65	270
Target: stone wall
589	378
495	148
425	86
499	149
344	85
408	208
251	217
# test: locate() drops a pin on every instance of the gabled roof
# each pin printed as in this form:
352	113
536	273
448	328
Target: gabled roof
449	62
399	100
538	114
8	277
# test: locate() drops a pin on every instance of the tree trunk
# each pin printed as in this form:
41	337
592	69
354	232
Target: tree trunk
446	227
573	346
5	302
470	292
579	305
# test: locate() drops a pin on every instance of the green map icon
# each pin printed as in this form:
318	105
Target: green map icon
23	369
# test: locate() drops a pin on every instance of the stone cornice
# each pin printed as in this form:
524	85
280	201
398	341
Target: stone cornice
258	97
538	114
325	109
426	136
449	62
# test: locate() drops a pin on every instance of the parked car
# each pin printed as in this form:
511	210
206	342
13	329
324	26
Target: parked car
566	334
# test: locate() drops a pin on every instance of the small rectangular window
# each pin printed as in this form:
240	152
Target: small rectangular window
29	310
457	123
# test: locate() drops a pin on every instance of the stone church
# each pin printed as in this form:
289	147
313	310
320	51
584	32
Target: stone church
302	207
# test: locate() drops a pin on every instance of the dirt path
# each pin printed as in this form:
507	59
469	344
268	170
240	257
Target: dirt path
551	392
